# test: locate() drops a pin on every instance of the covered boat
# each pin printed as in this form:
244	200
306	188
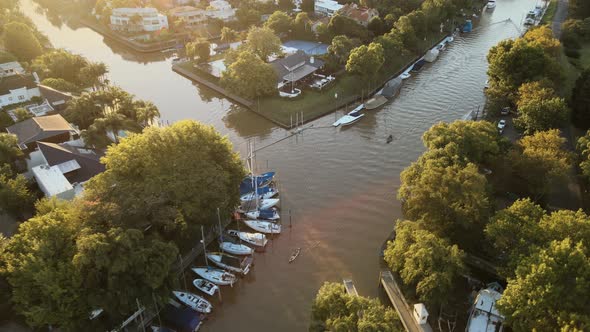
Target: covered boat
194	301
235	248
231	263
375	102
205	286
266	227
431	55
418	65
256	239
262	193
392	88
484	315
351	117
269	214
263	204
249	182
491	4
216	276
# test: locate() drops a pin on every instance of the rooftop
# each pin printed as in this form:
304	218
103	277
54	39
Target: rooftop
485	316
357	13
39	128
295	66
14	82
87	161
53	96
183	9
51	180
328	4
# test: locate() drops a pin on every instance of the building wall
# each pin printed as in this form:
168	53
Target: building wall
19	96
151	20
54	139
193	17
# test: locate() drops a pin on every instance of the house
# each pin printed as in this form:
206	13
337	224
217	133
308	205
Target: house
53	183
221	10
326	7
148	19
294	67
55	98
10	69
17	89
50	128
361	15
191	15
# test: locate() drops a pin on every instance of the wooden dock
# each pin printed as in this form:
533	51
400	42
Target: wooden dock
399	303
350	289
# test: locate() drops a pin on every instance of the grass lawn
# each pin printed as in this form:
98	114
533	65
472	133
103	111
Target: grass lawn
573	67
548	18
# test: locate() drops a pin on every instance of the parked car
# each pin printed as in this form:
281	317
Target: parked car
505	111
501	125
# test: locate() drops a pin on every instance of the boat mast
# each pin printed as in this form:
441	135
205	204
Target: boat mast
204	247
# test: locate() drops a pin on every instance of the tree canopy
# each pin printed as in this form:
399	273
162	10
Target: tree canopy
341	46
539	108
15	196
424	261
581	101
263	42
9	150
279	22
20	40
170	178
550	290
366	61
201	49
542	36
334	310
250	77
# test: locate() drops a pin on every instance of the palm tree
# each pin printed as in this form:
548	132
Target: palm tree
146	112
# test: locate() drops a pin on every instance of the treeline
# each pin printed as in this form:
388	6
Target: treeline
118	243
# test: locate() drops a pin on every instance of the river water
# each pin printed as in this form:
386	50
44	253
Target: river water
340	184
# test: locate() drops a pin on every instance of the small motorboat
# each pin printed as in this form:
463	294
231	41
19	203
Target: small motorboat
235	248
205	286
231	263
194	301
216	276
351	117
389	139
375	102
269	214
491	4
261	226
255	239
263	204
294	255
405	76
263	193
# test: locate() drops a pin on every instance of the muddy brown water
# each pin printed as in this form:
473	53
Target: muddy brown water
339	183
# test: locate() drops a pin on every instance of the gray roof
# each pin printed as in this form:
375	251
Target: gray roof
55	97
40	128
14	82
88	159
293	63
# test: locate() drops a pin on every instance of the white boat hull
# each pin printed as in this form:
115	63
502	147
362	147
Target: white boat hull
216	276
266	227
252	196
195	302
256	214
262	204
205	286
255	239
235	248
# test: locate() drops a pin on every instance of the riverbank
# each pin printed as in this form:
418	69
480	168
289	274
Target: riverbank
138	47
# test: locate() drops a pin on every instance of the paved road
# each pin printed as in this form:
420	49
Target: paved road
559	17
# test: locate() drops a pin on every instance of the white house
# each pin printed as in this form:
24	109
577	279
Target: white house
326	7
191	15
150	19
221	9
52	182
17	89
10	69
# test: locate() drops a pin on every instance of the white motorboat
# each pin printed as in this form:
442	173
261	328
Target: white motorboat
263	193
231	263
351	117
269	214
261	226
255	239
491	4
216	276
205	286
263	204
484	315
194	301
235	248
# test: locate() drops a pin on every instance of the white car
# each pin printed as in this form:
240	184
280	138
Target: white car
501	125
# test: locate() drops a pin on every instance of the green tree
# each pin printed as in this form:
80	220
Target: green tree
579	8
210	170
228	35
406	31
376	26
247	16
15	196
286	5
22	114
249	76
366	61
424	261
542	36
334	310
302	26
514	232
342	25
540	161
581	101
550	290
583	148
279	22
10	153
61	64
477	141
201	49
308	6
20	40
263	42
97	134
393	46
341	46
7	57
93	74
448	196
60	84
539	108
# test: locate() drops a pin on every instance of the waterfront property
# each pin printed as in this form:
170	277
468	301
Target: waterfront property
361	15
10	69
138	19
191	15
17	89
50	128
295	67
326	7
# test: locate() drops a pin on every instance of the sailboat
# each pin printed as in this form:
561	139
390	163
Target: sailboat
261	226
351	117
262	180
231	263
205	286
255	239
235	248
194	301
260	193
268	214
216	276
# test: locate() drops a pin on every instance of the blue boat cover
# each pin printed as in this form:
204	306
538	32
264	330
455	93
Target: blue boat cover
266	214
261	181
181	319
259	191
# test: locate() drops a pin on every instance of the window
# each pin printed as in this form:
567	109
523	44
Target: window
21	97
10	99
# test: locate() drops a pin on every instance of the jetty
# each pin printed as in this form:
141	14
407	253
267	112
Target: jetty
350	289
406	314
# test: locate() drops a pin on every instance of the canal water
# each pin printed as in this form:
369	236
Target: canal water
339	184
